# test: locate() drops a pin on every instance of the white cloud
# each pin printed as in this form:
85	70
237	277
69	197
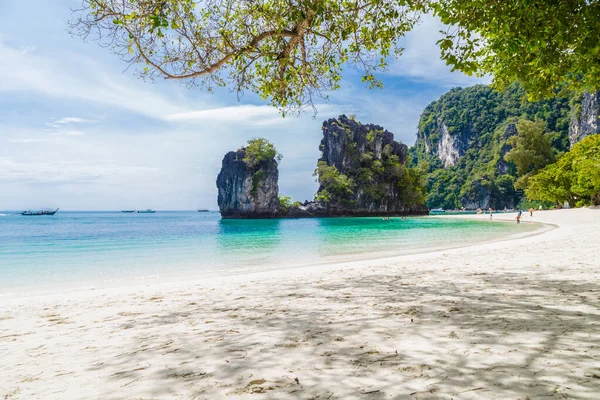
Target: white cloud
27	140
69	120
72	76
79	78
241	113
258	115
73	133
421	61
69	172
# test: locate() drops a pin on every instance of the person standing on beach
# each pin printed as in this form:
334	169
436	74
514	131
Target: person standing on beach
531	212
519	217
491	213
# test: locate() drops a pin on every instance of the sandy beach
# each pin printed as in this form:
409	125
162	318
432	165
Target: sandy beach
514	319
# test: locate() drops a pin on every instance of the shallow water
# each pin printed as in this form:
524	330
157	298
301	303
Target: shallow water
79	249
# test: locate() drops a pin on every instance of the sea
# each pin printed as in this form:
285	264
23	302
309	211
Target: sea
73	250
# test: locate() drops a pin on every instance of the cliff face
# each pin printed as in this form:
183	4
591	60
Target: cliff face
483	192
585	117
479	196
245	191
362	171
446	128
502	166
440	142
450	148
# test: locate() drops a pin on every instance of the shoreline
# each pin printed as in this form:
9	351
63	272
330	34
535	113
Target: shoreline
340	261
518	318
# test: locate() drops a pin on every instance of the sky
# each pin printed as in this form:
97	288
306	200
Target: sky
80	132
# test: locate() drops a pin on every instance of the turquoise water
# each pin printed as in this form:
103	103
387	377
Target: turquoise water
103	248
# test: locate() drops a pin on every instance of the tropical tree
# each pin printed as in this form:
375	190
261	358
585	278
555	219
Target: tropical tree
531	150
285	202
544	45
553	184
333	185
258	150
574	178
289	51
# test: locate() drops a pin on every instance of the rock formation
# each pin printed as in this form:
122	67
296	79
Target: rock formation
441	133
450	148
479	196
511	130
247	191
345	140
585	117
362	171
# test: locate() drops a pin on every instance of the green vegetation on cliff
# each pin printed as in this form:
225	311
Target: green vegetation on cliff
465	136
335	186
258	150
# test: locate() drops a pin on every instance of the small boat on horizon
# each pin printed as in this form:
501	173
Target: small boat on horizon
127	211
438	210
39	212
202	210
146	211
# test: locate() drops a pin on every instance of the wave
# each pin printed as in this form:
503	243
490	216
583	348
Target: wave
3	215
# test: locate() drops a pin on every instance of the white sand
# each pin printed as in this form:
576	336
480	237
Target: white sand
517	319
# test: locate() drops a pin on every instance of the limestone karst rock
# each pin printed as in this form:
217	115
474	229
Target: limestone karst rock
585	117
365	157
368	157
247	191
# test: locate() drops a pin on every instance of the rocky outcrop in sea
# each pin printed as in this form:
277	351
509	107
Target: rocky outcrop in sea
373	164
247	191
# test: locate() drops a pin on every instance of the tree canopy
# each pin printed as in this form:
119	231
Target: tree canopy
544	45
258	150
531	150
289	51
574	178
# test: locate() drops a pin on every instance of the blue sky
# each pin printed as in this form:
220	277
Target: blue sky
79	132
